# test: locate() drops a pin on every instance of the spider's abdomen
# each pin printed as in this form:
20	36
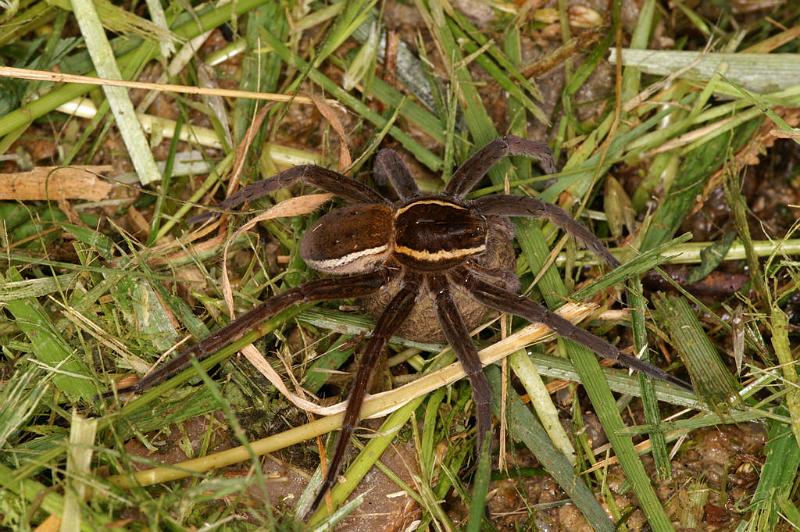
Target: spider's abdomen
350	239
435	234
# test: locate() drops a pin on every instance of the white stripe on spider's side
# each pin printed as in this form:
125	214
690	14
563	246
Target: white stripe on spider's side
331	264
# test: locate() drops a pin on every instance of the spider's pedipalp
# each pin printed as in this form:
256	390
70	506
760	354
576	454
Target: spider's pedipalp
505	301
391	318
472	171
390	167
459	339
323	289
507	205
311	174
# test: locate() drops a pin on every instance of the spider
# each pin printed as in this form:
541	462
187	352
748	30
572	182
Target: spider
420	259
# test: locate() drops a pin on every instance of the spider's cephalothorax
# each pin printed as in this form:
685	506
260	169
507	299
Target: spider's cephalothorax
433	259
436	234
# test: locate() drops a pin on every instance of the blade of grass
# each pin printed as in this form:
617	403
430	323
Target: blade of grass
631	77
694	172
649	401
692	252
33	288
713	382
354	14
19	400
780	342
552	288
36	16
630	86
69	373
778	476
756	72
79	458
260	71
738	205
531	379
480	486
524	427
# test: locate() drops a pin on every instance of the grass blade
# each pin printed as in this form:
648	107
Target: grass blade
783	350
70	374
524	427
79	459
778	476
712	380
756	72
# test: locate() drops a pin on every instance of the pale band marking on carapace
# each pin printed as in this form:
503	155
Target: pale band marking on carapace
438	256
443	203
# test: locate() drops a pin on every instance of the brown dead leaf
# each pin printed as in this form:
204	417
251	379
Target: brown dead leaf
244	147
56	183
330	115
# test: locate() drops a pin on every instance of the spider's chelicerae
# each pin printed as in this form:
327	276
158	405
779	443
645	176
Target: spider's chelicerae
419	260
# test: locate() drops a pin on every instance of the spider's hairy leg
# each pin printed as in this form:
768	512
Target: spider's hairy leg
497	276
311	174
390	167
472	171
507	205
458	337
323	289
505	301
392	317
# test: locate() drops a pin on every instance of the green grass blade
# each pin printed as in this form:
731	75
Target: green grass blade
523	426
649	401
70	374
778	476
480	486
19	399
756	72
783	351
695	170
711	379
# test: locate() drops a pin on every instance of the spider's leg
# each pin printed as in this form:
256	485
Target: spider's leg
498	276
471	172
392	317
311	174
505	301
507	205
390	167
330	288
458	337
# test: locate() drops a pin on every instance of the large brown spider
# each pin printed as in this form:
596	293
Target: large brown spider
420	259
